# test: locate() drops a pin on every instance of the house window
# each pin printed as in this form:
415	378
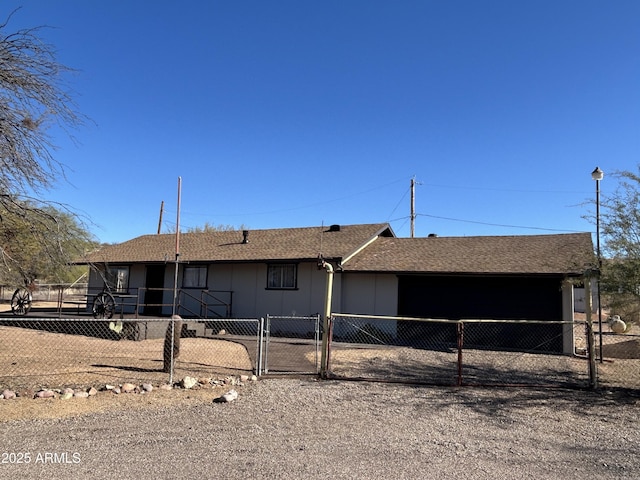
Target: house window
118	279
282	276
194	277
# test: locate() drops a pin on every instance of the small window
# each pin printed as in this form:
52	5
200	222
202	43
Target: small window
282	276
194	277
118	279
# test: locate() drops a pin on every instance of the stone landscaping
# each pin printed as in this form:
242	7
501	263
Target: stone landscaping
186	383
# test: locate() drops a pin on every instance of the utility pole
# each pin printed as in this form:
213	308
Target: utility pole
413	206
160	219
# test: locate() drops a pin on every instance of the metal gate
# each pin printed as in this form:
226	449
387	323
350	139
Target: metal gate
292	345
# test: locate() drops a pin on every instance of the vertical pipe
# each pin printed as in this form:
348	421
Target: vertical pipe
326	319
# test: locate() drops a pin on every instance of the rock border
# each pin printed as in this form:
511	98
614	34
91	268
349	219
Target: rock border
186	383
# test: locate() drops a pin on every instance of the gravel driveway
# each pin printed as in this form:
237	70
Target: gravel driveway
303	428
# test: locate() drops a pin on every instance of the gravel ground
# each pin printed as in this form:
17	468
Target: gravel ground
303	428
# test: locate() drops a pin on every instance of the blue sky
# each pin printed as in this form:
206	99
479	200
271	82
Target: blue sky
298	113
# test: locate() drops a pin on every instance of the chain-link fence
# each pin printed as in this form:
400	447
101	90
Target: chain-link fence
82	352
618	364
478	352
52	352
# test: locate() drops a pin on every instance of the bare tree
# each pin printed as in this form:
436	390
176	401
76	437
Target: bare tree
33	98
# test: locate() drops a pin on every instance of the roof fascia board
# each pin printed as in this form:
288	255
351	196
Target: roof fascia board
358	250
386	228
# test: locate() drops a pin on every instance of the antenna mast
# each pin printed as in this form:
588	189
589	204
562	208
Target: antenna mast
175	278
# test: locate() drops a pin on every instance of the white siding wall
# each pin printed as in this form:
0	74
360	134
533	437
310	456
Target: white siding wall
251	298
370	294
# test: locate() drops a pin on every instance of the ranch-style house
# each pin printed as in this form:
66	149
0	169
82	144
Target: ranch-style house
252	273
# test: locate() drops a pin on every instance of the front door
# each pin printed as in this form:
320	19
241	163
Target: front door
154	292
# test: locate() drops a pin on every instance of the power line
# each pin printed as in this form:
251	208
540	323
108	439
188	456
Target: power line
495	189
498	224
290	209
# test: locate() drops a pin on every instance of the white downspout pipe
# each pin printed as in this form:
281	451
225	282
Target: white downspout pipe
326	320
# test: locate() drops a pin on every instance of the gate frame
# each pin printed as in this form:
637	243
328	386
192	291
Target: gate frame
266	339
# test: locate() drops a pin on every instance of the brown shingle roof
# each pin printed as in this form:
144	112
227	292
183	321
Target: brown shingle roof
226	246
530	254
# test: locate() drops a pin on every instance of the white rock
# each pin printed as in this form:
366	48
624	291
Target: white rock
92	391
45	394
254	378
189	382
81	394
66	396
127	387
8	394
230	396
147	387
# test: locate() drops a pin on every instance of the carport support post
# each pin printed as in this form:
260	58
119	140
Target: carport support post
326	320
593	372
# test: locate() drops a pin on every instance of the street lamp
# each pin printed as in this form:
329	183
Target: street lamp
598	175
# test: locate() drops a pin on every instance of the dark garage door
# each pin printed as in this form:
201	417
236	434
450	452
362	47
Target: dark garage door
506	298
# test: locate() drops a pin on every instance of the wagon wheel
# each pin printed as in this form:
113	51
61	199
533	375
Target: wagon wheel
103	305
130	331
21	302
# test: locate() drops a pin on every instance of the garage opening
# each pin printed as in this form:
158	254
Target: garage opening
480	297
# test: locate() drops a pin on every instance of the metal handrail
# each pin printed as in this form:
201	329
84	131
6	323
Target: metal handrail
209	294
207	301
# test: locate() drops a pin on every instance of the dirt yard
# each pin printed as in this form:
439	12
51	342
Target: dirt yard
32	359
306	429
298	427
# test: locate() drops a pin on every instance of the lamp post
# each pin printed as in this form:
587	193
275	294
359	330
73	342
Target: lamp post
598	175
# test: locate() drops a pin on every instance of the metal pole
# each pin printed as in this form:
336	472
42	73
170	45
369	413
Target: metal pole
460	328
175	279
175	284
599	266
413	206
593	371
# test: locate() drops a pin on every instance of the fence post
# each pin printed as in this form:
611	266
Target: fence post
262	351
593	372
460	328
